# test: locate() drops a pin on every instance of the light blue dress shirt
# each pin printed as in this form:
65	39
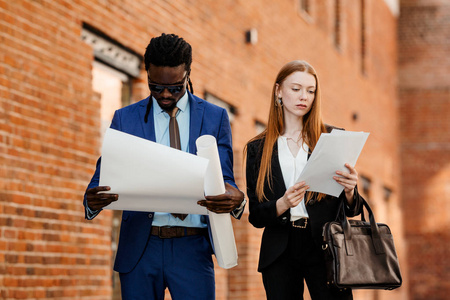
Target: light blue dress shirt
161	119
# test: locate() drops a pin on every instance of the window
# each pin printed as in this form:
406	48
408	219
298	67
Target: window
259	127
110	52
337	23
112	73
231	110
365	187
387	193
111	85
305	6
305	10
363	36
387	197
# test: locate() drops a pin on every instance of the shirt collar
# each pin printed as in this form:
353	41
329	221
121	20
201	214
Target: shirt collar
181	104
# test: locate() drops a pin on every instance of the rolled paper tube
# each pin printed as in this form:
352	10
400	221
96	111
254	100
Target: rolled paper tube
221	228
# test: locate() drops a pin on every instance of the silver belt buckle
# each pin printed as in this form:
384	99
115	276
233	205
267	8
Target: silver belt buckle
300	226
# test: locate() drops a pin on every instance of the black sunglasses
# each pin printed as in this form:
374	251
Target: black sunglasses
173	89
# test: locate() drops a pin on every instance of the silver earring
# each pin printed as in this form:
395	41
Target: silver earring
280	100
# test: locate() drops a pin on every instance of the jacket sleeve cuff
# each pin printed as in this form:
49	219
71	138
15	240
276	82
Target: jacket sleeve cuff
355	208
284	217
237	212
90	214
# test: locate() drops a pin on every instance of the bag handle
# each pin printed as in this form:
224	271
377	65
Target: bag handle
375	232
341	213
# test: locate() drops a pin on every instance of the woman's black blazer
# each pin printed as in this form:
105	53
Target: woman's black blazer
264	214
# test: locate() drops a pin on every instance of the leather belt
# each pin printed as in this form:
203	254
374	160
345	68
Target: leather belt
300	223
174	232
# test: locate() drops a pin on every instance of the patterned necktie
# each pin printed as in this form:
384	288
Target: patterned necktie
174	134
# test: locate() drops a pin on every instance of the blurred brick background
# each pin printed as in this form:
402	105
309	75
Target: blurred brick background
383	67
424	106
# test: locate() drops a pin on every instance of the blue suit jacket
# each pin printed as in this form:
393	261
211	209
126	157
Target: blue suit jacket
205	118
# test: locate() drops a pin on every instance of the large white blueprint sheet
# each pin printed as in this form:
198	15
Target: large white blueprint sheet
332	152
151	177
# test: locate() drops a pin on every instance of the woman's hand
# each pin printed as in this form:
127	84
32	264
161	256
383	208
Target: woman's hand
292	197
348	181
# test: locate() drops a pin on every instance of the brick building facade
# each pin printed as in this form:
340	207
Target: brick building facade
424	102
57	59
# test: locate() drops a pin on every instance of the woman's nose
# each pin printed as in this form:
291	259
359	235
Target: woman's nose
303	94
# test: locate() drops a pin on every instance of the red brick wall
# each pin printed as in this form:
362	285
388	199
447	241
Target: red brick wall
48	143
424	69
50	120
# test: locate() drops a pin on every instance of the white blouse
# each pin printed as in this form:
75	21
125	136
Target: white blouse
291	168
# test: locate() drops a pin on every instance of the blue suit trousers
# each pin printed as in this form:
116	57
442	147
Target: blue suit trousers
183	265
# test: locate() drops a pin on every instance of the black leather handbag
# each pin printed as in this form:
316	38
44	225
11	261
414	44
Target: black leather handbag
360	254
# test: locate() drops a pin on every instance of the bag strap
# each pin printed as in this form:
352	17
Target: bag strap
375	232
376	238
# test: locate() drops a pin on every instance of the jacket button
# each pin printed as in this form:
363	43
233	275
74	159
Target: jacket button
150	216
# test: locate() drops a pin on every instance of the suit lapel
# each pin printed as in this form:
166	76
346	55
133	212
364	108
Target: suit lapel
149	127
196	119
276	170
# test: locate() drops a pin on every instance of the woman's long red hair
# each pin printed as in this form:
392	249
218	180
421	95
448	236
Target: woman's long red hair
312	126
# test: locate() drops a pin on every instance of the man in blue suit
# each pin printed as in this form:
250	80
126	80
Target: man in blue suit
162	250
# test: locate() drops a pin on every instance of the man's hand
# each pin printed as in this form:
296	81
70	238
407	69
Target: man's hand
224	203
96	200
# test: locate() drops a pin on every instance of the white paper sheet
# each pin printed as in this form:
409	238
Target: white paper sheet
331	153
221	227
151	177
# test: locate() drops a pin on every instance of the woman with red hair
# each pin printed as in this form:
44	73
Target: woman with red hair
291	216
